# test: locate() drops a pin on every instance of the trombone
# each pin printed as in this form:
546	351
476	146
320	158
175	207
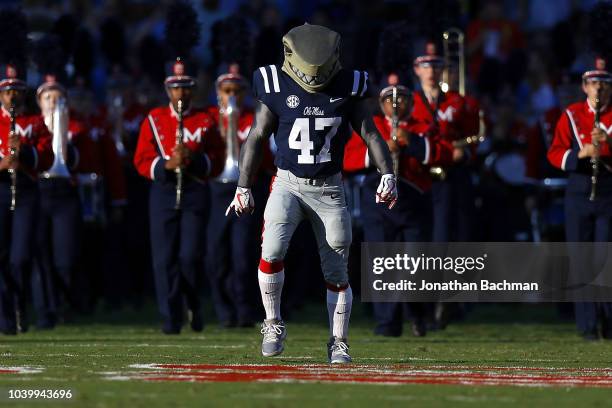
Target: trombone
454	56
454	59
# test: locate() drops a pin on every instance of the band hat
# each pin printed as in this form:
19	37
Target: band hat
49	84
11	79
393	82
179	78
430	56
600	73
233	76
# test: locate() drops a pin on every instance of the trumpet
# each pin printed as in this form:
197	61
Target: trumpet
59	127
394	126
179	169
13	153
228	127
595	158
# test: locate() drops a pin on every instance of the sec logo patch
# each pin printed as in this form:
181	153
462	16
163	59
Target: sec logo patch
293	101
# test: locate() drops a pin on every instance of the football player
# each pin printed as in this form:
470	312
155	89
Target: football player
309	104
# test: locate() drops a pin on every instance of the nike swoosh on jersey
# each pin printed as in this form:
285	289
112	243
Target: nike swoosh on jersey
332	100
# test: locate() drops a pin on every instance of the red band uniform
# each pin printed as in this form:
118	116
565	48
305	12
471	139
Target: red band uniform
178	236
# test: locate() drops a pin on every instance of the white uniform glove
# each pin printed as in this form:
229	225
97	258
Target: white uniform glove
387	190
242	203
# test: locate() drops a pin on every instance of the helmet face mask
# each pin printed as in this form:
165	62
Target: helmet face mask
311	56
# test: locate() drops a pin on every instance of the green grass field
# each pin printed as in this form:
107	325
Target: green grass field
85	356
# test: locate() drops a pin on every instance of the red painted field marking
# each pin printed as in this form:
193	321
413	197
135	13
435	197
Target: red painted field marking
370	374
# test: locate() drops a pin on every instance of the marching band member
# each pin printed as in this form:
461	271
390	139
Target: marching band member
25	150
445	113
179	144
410	219
59	223
572	149
231	241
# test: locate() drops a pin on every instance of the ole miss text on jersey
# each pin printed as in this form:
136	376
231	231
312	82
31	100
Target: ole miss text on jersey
313	128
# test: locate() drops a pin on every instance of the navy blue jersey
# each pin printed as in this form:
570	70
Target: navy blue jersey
312	127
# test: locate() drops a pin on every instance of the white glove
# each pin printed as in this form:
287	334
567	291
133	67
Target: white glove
242	203
387	190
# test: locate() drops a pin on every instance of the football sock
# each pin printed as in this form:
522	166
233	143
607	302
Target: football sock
339	304
271	287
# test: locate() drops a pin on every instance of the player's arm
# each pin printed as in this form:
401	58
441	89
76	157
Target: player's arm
251	154
378	151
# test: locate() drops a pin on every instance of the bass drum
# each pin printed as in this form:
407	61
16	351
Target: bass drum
510	168
91	194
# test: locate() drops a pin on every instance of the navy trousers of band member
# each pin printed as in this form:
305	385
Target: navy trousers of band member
587	221
232	255
178	246
453	206
408	221
57	248
17	231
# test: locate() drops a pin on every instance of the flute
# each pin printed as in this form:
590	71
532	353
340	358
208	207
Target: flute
179	169
394	126
595	158
13	152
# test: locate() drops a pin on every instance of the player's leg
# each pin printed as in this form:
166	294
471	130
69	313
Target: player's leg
331	222
282	215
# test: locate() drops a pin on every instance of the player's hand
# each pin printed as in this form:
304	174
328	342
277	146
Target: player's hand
387	190
242	203
588	150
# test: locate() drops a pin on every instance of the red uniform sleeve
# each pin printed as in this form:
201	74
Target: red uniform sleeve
113	170
38	156
214	148
561	154
428	146
355	154
147	160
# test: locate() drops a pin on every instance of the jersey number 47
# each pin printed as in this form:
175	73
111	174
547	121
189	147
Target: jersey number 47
299	138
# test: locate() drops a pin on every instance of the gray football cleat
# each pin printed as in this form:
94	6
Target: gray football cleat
337	351
274	333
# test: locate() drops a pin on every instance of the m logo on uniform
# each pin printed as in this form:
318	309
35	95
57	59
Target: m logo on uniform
447	115
196	136
27	132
